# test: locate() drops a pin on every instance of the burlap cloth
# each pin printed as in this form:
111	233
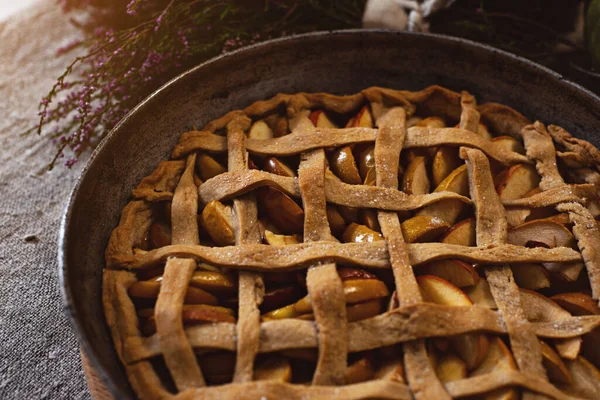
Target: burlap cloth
39	355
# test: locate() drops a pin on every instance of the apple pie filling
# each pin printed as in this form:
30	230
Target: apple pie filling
477	211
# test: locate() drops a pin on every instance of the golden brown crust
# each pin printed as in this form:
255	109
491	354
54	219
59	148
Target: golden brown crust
540	148
491	228
469	117
323	283
251	286
427	137
278	390
392	133
178	353
227	185
588	239
502	119
262	257
316	187
300	142
397	326
161	184
121	318
133	225
584	153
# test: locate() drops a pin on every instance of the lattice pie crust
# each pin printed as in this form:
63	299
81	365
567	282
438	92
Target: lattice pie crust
410	254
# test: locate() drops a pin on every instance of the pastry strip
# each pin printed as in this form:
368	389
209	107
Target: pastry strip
540	148
121	317
554	196
302	141
397	326
135	221
322	281
251	286
260	257
379	389
586	232
228	185
469	116
161	184
177	350
422	378
587	154
478	385
427	137
491	228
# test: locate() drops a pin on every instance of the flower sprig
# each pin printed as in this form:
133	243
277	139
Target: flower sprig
132	47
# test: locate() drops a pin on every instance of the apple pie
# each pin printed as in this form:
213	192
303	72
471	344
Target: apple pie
387	244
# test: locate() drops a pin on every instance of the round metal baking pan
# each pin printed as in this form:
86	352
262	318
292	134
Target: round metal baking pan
340	62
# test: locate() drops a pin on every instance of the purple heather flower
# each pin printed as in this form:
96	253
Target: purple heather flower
70	162
131	7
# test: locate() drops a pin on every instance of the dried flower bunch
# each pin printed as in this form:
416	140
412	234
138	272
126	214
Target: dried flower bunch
133	47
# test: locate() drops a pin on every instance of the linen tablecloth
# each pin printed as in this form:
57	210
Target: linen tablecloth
39	355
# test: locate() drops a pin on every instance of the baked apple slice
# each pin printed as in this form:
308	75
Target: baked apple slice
370	219
445	160
279	297
498	359
509	143
462	233
343	164
555	367
513	183
390	369
360	311
577	303
217	221
450	367
273	368
214	282
366	163
191	314
360	371
457	272
355	290
356	233
585	378
207	167
275	166
320	119
481	295
415	180
472	347
431	122
159	235
531	276
538	307
363	119
423	228
150	289
260	130
547	233
283	212
337	223
280	240
448	210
